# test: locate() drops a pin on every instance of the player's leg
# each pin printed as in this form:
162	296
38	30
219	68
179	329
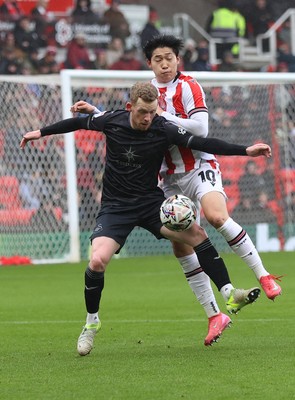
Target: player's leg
197	279
194	185
209	262
103	248
201	287
215	211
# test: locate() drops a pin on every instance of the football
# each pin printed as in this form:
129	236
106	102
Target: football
178	213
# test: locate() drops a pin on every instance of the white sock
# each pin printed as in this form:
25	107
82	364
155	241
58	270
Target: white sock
92	319
199	283
225	291
241	243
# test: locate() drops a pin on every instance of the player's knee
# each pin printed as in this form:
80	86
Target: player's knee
97	262
217	219
198	234
181	249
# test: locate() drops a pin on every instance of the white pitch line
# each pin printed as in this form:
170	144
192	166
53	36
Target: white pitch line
137	321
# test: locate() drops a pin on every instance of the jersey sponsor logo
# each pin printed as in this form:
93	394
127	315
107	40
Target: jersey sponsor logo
181	130
131	156
98	228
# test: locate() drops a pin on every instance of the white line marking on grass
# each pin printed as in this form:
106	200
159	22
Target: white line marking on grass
135	321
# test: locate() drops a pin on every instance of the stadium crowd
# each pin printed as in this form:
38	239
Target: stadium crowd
30	49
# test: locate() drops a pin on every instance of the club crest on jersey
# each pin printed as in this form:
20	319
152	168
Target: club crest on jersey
181	130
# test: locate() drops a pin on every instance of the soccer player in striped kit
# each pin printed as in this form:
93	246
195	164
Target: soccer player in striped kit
197	175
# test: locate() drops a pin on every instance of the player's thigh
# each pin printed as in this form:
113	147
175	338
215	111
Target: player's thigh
214	208
102	250
110	233
192	237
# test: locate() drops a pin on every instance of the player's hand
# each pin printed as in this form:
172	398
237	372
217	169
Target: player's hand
259	149
159	110
82	107
33	135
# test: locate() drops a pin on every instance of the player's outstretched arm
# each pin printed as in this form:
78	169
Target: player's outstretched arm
64	126
259	149
83	107
33	135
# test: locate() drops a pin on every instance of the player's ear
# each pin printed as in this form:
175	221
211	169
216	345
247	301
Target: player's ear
128	106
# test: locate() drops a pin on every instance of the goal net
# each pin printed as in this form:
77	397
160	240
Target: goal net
50	191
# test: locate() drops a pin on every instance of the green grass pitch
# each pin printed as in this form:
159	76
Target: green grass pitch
151	343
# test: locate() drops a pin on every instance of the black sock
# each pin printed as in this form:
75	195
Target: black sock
212	264
94	283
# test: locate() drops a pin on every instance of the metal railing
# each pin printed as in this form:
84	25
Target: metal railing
186	24
271	35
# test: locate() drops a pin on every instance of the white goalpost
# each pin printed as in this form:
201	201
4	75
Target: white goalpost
50	192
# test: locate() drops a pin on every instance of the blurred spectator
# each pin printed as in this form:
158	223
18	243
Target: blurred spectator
83	13
11	56
228	62
31	188
259	20
190	54
250	183
244	211
101	59
262	210
114	50
226	23
33	59
78	56
27	69
10	63
25	37
128	61
48	64
10	9
9	43
267	179
202	61
151	28
286	58
119	26
46	218
282	67
42	18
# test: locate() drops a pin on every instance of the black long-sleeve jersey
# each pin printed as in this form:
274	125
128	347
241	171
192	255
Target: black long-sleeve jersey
134	157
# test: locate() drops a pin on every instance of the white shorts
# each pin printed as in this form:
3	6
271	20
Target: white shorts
196	183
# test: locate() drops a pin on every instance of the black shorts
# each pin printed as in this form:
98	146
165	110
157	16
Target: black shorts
116	221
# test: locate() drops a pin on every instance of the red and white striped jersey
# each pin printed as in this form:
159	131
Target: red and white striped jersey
182	97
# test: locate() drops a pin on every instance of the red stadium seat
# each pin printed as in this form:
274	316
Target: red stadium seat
233	193
288	180
15	217
9	192
232	168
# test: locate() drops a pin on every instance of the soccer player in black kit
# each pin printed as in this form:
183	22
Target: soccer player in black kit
136	140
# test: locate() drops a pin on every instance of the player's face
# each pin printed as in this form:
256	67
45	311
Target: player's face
142	114
164	64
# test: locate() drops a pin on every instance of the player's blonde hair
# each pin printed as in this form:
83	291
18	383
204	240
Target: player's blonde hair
143	90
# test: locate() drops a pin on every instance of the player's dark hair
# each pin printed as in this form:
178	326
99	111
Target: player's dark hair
170	41
143	90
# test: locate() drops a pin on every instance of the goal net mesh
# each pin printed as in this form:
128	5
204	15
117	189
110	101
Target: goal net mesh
35	217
